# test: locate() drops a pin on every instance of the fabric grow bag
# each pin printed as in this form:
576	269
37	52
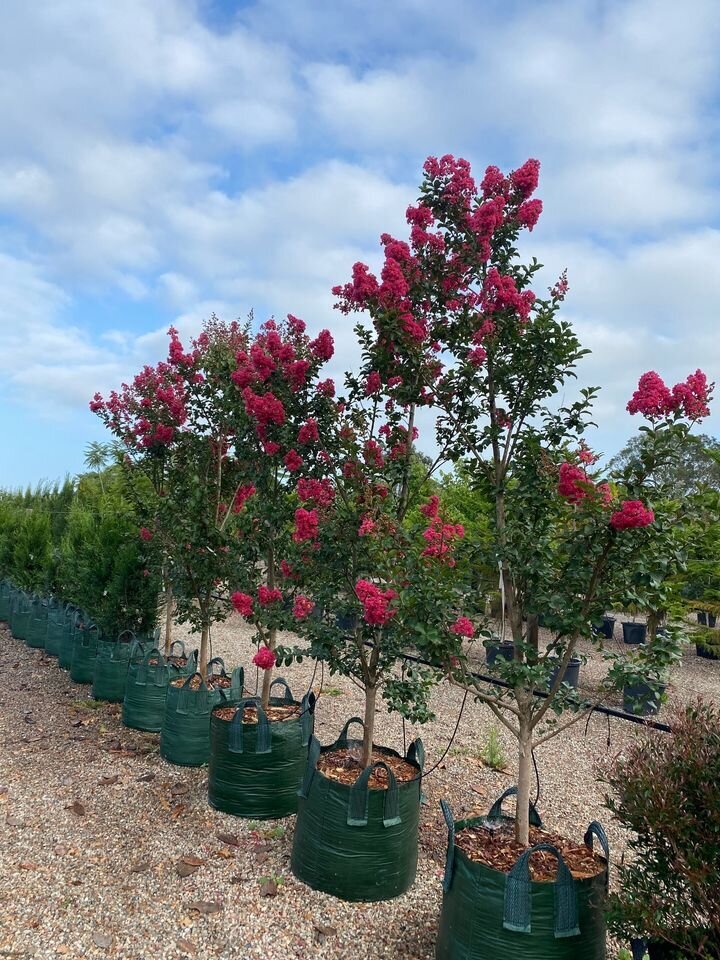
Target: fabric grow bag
185	734
5	597
256	769
490	915
37	623
21	612
74	623
84	652
111	667
177	650
354	842
55	627
145	689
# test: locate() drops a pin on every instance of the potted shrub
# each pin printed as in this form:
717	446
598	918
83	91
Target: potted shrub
564	537
663	791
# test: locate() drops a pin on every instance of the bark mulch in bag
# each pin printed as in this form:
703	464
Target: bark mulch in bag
258	757
358	839
541	903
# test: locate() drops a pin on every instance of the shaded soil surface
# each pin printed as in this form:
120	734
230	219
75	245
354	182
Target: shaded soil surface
500	850
344	766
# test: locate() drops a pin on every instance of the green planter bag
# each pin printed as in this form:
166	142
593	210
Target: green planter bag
185	736
37	624
20	622
55	627
84	652
490	915
180	663
111	667
257	768
145	689
74	621
354	842
4	600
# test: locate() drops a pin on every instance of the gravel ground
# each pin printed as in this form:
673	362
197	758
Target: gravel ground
95	824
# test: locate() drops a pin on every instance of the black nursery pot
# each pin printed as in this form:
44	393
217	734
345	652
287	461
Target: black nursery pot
641	700
634	633
702	618
606	628
707	653
505	650
572	673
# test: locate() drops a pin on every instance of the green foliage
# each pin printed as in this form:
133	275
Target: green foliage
664	792
493	755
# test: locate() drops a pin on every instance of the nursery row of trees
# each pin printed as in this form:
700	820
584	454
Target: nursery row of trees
255	477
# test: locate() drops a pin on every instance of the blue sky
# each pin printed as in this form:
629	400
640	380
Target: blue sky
162	160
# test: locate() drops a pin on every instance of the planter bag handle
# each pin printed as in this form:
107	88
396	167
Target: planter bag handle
159	670
450	855
313	757
307	722
496	811
287	696
596	829
359	798
215	662
235	736
342	741
237	683
118	642
137	651
195	702
193	658
517	911
416	753
172	648
86	640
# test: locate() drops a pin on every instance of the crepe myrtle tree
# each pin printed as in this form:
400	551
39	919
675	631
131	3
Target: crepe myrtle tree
282	412
560	534
177	446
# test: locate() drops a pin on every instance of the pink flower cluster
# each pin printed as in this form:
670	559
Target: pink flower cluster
463	627
268	595
145	534
320	492
575	485
242	496
264	658
632	513
306	525
500	293
376	603
302	607
243	603
655	400
439	536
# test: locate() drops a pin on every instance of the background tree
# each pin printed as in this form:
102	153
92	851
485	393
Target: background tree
693	464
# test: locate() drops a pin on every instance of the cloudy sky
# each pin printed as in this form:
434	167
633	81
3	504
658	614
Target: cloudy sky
162	160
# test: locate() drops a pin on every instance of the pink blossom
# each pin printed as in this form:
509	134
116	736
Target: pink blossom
373	383
293	461
693	396
323	346
308	432
493	182
573	483
367	526
145	534
477	356
295	324
376	602
306	525
243	603
302	607
525	178
463	627
326	388
268	595
271	448
652	398
264	658
561	288
242	496
632	513
528	213
321	492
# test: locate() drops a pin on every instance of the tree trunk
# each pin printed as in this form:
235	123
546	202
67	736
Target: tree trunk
369	720
204	647
168	616
522	820
268	674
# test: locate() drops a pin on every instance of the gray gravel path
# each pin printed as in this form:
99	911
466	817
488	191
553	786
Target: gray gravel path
94	825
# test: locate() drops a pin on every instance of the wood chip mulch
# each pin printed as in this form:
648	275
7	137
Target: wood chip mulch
499	849
274	714
344	766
